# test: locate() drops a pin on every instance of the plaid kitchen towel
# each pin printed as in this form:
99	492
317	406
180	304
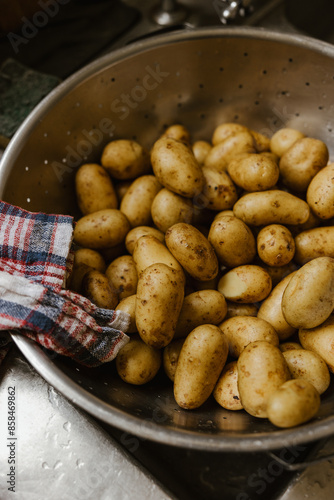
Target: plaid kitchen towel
35	260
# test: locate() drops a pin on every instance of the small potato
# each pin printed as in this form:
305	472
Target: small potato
220	155
283	139
149	250
169	208
77	275
308	365
91	258
160	294
271	207
313	243
242	330
226	392
102	229
94	189
178	132
138	363
262	142
170	357
253	172
320	340
262	369
176	168
122	276
95	286
137	201
232	241
234	309
289	346
224	130
275	245
192	250
199	308
125	159
295	402
128	305
246	284
223	213
271	310
133	236
202	358
200	150
219	191
301	162
320	193
308	299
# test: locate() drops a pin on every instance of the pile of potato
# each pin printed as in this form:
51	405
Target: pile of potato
222	253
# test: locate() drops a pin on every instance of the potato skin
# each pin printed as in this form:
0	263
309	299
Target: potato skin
275	245
283	139
128	305
160	294
169	208
200	150
170	357
301	162
102	229
320	193
137	201
307	365
91	258
271	310
235	309
176	168
320	340
261	370
137	232
224	130
122	275
192	250
308	299
198	308
226	391
178	132
245	284
125	159
219	191
138	363
95	286
200	363
234	144
254	172
294	403
232	240
271	207
94	189
242	330
149	250
313	243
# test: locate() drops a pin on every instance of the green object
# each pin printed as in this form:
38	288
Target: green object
21	89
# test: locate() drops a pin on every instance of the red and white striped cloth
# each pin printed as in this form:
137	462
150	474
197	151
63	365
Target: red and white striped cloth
35	260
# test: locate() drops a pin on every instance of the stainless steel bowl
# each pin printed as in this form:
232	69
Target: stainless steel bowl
201	78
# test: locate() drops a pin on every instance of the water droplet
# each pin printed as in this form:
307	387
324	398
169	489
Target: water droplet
46	162
57	464
45	134
45	466
28	200
80	463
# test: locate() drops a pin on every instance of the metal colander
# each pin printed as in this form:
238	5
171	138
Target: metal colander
200	78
